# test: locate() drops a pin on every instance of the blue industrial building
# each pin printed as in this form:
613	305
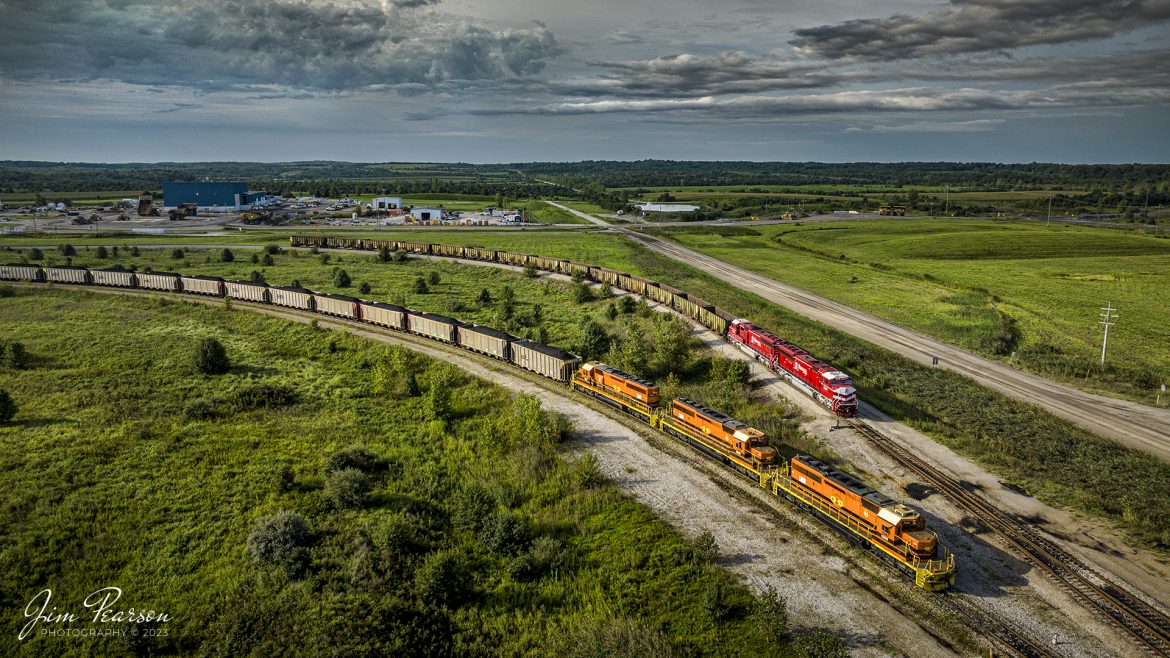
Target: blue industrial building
208	195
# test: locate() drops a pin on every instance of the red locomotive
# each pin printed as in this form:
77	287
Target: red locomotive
826	384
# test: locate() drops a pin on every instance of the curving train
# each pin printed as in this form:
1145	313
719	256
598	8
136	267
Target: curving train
895	531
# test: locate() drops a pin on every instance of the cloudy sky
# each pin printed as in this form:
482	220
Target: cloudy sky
511	80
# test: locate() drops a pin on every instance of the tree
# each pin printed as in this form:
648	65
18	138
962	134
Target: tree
364	288
705	548
594	341
420	286
256	276
281	540
177	254
225	256
671	340
67	250
485	298
713	601
530	270
211	357
7	406
255	259
341	279
628	304
102	252
267	260
605	292
433	278
611	312
272	249
770	617
13	355
439	394
347	488
384	255
581	292
507	294
36	254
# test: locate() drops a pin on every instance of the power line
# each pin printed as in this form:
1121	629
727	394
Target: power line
1108	320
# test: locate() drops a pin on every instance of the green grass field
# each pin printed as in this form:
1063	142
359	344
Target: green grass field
476	536
991	287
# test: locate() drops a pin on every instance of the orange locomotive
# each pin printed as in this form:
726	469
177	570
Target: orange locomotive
631	394
732	441
893	524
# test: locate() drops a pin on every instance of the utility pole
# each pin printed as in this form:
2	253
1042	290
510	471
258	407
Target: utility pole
1108	321
1049	211
947	210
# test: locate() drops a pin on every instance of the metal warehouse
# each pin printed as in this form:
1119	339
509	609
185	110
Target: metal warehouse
232	195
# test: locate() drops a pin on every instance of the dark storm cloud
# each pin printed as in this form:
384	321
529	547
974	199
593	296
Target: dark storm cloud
311	44
970	26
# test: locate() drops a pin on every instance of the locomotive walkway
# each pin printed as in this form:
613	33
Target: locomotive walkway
1135	425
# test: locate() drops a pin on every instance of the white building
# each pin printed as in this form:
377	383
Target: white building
426	214
386	203
667	207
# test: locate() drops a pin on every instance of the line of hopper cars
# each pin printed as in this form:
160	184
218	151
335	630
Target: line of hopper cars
823	382
548	361
894	530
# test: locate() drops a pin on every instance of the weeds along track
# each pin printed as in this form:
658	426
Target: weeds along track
993	625
1148	626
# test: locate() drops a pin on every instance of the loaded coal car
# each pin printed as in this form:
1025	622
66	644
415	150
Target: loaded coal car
247	290
20	272
67	274
384	315
202	285
114	277
292	297
430	325
551	362
484	340
339	305
168	281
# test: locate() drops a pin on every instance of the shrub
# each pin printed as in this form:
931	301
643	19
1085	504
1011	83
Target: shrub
200	409
364	288
324	259
256	276
420	286
13	355
67	250
611	312
472	506
384	255
581	292
433	278
102	252
135	252
360	458
281	540
347	488
770	617
442	578
605	292
578	276
587	472
821	644
36	254
594	342
7	406
622	637
504	533
530	270
211	357
177	254
225	256
271	249
628	304
255	259
713	601
267	261
705	549
439	394
263	396
7	291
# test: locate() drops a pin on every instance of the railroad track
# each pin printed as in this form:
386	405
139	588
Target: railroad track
993	625
1148	626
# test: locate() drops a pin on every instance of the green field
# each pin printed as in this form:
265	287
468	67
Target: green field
125	467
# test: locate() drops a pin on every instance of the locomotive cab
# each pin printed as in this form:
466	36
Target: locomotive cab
910	526
757	444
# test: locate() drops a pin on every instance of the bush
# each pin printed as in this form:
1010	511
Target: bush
611	312
433	278
225	256
439	394
263	396
595	342
67	250
267	261
420	286
255	259
13	355
605	292
341	279
7	406
530	270
628	304
365	288
770	617
36	254
271	249
587	472
281	540
504	533
604	639
256	277
472	506
347	488
102	252
211	357
705	549
713	601
177	254
200	409
324	258
442	578
360	458
582	293
821	644
383	255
